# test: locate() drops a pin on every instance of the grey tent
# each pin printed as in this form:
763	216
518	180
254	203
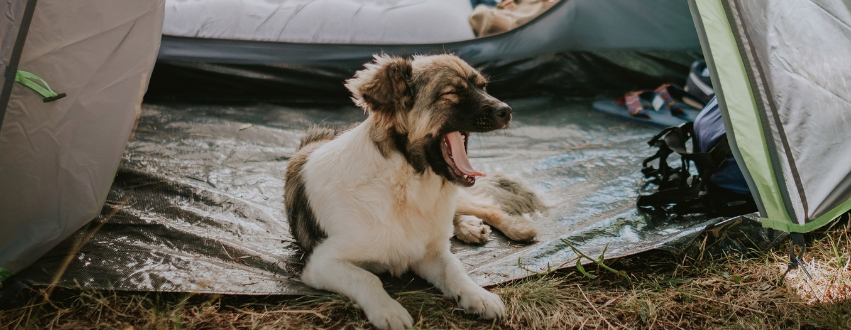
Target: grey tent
784	77
58	155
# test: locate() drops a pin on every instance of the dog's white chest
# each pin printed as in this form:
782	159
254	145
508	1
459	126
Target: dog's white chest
417	219
376	208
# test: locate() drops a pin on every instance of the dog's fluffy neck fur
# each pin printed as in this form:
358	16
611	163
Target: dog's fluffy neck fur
395	140
392	154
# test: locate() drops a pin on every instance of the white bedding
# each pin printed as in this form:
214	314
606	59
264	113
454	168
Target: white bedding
321	21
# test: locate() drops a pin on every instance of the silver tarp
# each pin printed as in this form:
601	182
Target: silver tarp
197	204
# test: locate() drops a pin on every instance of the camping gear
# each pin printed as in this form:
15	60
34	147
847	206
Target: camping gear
507	15
699	83
718	188
667	105
320	21
577	48
74	76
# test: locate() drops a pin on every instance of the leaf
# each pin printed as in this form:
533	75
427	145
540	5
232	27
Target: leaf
737	279
582	270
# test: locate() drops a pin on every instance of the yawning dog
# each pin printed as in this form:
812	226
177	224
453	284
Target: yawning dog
384	195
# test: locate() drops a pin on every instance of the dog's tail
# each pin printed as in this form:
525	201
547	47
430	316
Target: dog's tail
513	196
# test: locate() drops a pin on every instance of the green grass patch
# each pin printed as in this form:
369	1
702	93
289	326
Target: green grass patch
661	292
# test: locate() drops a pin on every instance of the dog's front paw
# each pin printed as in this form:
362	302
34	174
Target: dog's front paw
487	305
389	316
519	228
472	230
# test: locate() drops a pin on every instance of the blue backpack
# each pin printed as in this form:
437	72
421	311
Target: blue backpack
718	188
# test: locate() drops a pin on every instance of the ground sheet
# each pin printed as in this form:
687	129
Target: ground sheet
197	204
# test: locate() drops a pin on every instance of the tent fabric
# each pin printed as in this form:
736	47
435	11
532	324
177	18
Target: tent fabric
735	103
197	204
58	159
783	84
321	21
805	81
578	47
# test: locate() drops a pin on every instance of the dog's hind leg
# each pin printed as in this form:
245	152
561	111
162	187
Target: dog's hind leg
328	271
446	272
516	227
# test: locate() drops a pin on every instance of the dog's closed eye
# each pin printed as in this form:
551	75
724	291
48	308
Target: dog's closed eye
450	94
448	91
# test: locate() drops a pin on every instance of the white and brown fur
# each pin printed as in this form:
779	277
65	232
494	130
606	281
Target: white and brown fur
380	196
500	201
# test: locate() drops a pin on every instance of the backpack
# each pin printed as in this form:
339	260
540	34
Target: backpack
718	188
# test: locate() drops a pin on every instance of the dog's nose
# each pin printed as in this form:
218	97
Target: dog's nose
502	111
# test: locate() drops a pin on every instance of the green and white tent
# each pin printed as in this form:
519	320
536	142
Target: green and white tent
782	71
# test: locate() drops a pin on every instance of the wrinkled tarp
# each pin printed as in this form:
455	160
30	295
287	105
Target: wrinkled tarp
197	204
577	48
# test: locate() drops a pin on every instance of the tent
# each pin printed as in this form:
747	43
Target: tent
58	155
207	215
784	80
578	47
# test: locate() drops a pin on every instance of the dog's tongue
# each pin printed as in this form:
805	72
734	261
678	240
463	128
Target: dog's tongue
459	154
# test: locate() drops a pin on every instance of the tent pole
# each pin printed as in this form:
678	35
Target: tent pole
12	68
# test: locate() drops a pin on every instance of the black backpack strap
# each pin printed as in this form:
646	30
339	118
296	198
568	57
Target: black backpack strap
681	192
678	194
664	173
670	140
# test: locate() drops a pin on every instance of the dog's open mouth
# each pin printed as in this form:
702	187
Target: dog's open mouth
454	149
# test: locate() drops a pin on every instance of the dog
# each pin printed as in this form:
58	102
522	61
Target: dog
383	195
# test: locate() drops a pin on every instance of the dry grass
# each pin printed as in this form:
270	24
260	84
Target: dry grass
733	292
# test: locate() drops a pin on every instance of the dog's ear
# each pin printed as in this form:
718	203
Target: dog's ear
383	88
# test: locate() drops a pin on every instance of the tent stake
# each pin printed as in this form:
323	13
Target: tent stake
796	239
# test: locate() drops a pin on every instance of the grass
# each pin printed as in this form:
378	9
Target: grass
731	292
